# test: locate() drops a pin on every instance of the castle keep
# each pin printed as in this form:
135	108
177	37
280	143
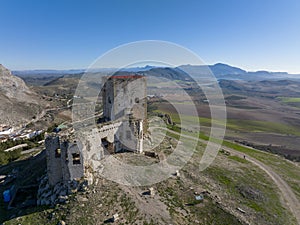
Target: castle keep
122	129
124	99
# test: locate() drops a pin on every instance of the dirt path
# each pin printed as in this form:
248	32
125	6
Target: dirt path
32	150
15	147
287	194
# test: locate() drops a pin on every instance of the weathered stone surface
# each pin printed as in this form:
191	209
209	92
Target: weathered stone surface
61	222
51	195
18	102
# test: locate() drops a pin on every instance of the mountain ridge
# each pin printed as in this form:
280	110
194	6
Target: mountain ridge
220	70
18	102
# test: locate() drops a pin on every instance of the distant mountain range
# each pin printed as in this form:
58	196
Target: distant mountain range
220	71
25	73
224	71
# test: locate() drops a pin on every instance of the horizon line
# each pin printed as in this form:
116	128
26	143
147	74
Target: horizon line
112	68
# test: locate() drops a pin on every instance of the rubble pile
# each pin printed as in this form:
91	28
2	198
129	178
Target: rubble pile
59	193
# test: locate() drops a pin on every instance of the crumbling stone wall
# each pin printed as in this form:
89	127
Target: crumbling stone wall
64	160
93	148
72	161
130	135
54	166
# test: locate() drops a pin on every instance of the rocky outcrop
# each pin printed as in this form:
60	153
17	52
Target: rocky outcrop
12	86
19	104
58	194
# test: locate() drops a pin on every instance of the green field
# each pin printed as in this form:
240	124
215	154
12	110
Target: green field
287	170
232	180
289	100
237	124
294	102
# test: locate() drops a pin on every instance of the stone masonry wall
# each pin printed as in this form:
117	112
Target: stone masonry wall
54	167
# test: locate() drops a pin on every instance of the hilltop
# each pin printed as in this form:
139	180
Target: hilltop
19	104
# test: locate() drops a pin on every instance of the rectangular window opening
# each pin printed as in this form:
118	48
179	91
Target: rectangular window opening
57	153
76	158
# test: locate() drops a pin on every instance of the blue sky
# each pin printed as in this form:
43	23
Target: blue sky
70	34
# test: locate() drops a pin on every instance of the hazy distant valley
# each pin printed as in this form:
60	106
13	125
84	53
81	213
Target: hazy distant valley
262	107
262	138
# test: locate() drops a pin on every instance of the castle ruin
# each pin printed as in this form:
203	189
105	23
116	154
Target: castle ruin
122	128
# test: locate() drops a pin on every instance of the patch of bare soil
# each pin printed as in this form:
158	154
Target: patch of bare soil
151	207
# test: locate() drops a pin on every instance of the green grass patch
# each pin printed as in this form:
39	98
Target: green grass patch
38	217
203	136
235	97
238	159
289	99
233	124
262	197
176	194
288	171
262	126
255	206
294	102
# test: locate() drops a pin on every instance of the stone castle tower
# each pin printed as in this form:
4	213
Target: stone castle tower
125	98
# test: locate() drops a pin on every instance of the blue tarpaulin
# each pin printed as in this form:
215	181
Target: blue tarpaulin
6	196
